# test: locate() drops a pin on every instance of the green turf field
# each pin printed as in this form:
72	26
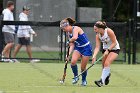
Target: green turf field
44	78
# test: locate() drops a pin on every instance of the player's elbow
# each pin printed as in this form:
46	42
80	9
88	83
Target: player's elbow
74	38
71	44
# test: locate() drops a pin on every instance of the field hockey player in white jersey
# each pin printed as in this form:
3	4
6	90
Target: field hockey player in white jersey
110	51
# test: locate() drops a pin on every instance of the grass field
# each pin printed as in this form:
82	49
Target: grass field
44	78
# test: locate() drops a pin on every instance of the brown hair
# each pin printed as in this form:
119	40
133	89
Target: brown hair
10	3
71	21
101	24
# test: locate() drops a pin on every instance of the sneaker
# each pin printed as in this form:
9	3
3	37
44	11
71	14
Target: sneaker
16	61
84	83
75	80
2	58
34	60
11	61
5	60
8	60
99	83
107	79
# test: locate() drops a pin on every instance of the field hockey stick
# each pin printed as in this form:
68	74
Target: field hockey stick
88	67
65	68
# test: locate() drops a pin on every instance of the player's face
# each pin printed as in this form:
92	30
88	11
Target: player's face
27	12
66	29
96	29
12	7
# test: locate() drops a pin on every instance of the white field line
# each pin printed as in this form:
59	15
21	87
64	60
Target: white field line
126	69
16	92
59	86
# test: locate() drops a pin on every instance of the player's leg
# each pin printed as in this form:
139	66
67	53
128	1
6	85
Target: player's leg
104	58
106	70
103	61
26	42
110	58
99	82
6	50
9	40
29	51
84	62
7	54
75	56
17	48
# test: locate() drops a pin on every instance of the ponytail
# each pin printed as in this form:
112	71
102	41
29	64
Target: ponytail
71	21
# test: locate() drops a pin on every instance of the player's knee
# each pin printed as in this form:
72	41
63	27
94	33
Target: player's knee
83	68
106	64
73	62
11	44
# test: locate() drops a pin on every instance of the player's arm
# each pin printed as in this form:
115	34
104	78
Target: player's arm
75	35
71	45
71	48
97	48
113	39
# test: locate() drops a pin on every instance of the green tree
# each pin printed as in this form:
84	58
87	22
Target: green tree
123	13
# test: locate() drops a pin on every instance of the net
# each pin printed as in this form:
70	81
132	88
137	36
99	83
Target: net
50	42
47	45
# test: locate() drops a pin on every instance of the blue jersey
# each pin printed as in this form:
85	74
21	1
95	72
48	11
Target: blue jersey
82	44
81	41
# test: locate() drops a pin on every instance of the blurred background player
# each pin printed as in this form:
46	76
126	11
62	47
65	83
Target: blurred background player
110	51
8	31
23	34
78	42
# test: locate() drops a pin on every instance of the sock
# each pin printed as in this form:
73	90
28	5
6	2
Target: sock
105	73
84	75
74	70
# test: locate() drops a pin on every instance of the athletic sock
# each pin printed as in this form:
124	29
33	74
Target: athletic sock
74	70
105	73
84	75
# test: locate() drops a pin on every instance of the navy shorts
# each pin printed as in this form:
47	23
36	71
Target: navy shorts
24	41
85	51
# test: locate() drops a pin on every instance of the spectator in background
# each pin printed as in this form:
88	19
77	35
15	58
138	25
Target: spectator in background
23	34
8	31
